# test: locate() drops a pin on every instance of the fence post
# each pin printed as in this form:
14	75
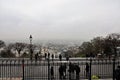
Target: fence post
114	68
90	69
23	69
10	69
48	66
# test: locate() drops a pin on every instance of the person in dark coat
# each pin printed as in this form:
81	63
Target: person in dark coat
52	73
36	57
70	67
117	73
87	70
71	70
64	71
61	73
77	70
45	56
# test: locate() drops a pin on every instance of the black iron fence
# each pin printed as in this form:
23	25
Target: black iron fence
24	69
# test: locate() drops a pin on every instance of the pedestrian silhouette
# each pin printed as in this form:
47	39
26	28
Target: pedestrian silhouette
70	67
117	73
77	70
52	56
61	73
36	57
71	70
60	57
45	55
52	73
67	58
64	71
87	70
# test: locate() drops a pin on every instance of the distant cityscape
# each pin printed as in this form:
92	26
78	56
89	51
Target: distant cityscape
98	46
55	47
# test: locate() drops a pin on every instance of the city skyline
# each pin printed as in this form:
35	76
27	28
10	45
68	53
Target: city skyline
58	19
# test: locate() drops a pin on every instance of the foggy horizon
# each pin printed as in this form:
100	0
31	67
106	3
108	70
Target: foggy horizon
58	19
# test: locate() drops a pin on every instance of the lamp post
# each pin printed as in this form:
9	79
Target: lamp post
31	51
114	56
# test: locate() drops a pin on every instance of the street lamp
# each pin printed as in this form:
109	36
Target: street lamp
30	39
31	51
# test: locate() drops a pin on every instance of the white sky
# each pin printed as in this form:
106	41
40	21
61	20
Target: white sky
58	19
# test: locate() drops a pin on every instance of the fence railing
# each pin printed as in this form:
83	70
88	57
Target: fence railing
24	69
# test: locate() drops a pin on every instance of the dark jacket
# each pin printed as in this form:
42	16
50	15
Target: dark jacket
117	73
77	69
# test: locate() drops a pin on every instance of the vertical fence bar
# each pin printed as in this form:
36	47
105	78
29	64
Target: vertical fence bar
10	70
2	70
114	69
23	69
5	71
14	69
48	69
90	69
27	70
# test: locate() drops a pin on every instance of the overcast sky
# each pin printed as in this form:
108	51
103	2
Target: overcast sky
58	19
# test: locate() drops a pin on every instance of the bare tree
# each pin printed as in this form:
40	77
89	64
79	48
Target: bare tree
7	53
2	43
18	47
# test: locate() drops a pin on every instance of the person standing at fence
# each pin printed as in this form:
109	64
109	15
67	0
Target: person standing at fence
71	71
52	73
70	64
36	57
77	70
64	71
61	72
87	70
45	56
117	73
